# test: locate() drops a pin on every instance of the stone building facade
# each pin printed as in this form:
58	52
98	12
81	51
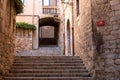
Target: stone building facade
88	28
97	45
66	16
107	38
38	12
7	29
83	36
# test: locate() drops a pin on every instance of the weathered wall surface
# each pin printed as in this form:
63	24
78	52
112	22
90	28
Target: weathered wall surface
23	40
61	40
99	47
7	28
68	18
47	32
107	38
83	34
31	20
25	18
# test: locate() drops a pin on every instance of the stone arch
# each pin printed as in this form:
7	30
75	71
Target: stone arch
52	21
50	24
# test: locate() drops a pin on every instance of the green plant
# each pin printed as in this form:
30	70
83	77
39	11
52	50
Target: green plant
18	6
24	25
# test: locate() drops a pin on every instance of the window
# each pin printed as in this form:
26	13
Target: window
50	3
78	7
56	2
47	2
49	11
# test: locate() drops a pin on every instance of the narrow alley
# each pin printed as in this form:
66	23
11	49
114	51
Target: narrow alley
59	39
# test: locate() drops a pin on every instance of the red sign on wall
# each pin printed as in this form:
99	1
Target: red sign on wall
100	23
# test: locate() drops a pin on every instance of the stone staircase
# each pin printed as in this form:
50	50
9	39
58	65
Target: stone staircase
48	68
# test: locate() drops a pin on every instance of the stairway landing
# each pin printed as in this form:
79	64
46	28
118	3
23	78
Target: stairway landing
42	51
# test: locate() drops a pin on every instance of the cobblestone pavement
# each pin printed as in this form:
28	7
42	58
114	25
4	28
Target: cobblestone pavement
43	51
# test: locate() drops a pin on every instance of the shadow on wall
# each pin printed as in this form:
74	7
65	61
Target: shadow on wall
98	39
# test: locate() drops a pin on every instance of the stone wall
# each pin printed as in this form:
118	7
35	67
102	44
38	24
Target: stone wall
7	29
68	25
23	40
47	32
61	40
107	38
99	46
83	34
31	20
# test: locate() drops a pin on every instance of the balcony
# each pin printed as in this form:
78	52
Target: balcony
50	11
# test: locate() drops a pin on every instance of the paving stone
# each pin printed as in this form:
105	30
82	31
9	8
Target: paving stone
43	51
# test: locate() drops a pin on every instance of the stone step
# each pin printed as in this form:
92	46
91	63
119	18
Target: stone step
48	61
49	78
47	57
48	64
34	58
48	67
48	75
48	71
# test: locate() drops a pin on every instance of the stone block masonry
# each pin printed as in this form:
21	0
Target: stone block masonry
108	56
98	47
83	34
7	28
23	40
22	34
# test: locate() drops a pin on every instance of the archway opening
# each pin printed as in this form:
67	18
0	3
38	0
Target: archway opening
48	32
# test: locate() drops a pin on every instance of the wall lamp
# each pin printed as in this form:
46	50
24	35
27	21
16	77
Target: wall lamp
63	1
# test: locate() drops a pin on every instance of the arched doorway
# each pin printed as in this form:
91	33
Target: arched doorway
68	38
48	32
48	36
